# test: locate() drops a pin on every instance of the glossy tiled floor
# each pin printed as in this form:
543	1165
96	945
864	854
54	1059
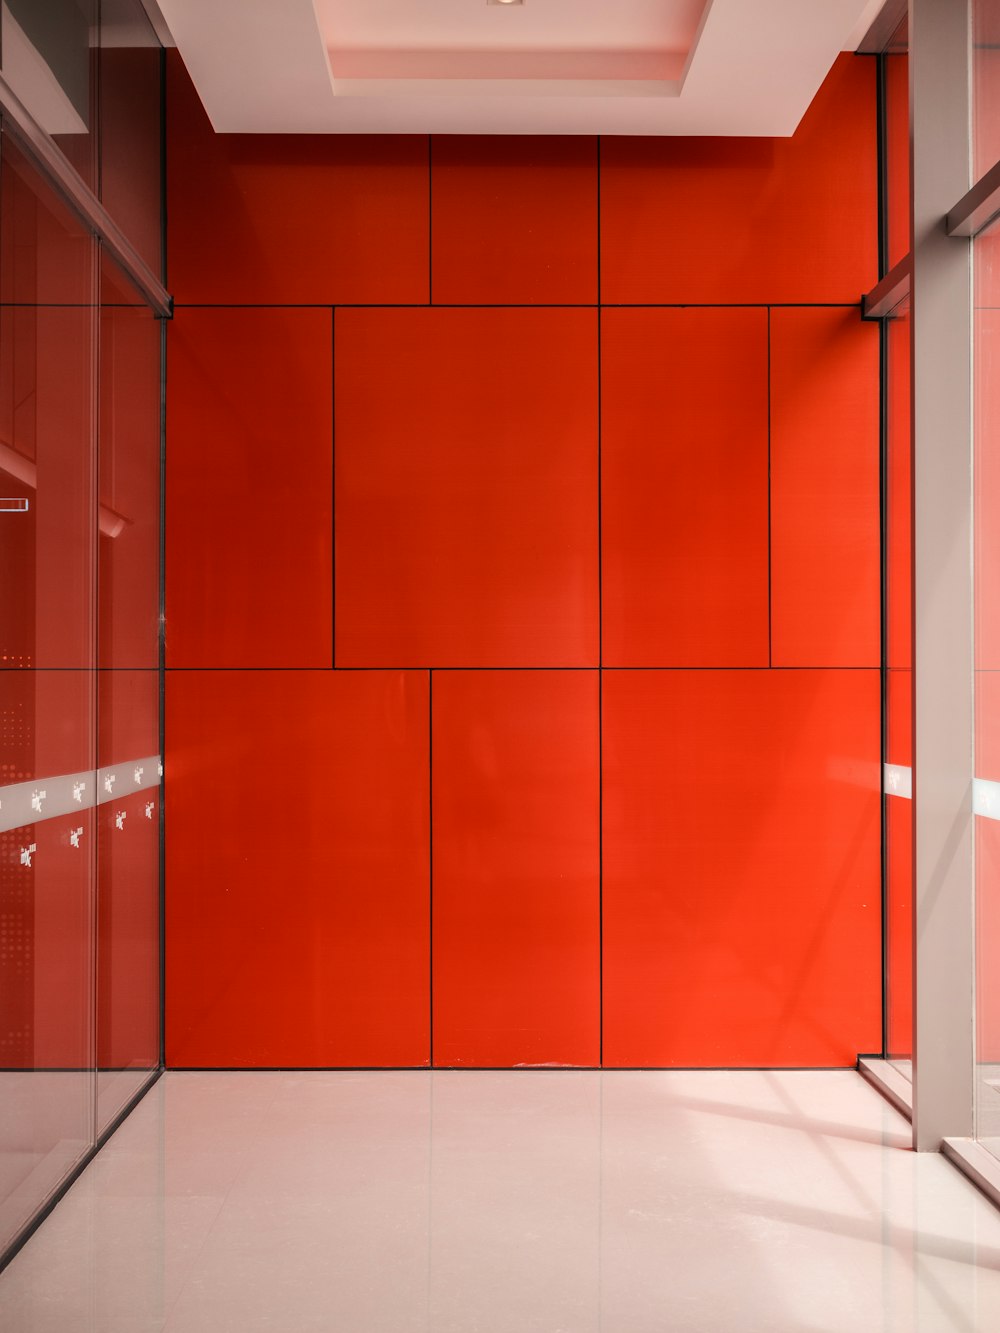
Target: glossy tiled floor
475	1202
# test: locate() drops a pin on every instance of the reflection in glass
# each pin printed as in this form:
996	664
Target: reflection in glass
897	147
80	368
898	694
128	981
985	85
130	75
47	688
986	519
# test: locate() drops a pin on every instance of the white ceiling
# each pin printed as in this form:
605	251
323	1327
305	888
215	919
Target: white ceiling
542	67
546	24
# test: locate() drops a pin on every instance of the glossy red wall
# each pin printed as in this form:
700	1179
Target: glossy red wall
523	597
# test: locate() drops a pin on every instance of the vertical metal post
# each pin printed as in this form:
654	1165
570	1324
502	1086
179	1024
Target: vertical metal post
944	940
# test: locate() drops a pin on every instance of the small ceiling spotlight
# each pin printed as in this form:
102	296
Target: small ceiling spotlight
505	2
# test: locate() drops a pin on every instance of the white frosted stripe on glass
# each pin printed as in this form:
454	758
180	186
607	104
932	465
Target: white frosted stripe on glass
897	780
986	798
47	798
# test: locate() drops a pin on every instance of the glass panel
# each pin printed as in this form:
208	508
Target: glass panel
985	85
47	690
47	56
897	146
898	702
986	498
128	827
130	73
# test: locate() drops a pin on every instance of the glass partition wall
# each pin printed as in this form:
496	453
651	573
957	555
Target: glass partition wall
80	539
985	153
897	564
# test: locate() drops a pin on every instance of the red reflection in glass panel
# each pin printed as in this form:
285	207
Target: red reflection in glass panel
985	85
128	963
130	126
129	466
897	110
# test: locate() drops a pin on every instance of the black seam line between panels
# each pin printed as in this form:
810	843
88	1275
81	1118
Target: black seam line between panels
430	219
430	861
600	635
505	1069
334	485
502	305
771	600
882	223
422	666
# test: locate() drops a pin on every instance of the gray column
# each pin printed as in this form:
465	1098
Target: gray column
942	565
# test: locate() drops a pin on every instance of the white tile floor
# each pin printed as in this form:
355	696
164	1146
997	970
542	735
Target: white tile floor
474	1202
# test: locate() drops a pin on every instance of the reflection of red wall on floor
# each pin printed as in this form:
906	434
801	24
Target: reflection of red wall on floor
517	644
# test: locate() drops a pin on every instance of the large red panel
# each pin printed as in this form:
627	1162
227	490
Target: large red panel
688	220
249	545
291	219
741	867
298	915
825	581
466	511
515	219
684	521
516	868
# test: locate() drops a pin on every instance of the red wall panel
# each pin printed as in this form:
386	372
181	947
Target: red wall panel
684	498
825	584
466	484
291	219
760	220
741	867
446	514
514	219
298	915
516	868
249	489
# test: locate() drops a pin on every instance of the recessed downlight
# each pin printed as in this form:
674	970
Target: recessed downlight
505	2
